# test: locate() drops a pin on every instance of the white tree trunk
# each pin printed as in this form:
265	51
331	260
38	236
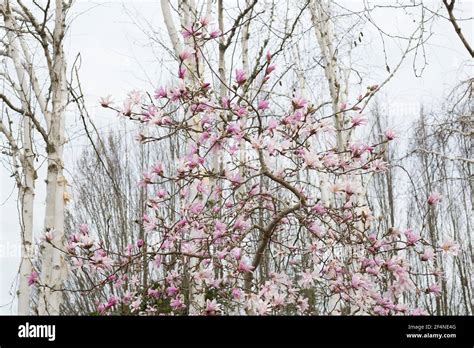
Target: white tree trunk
54	268
186	16
35	105
325	36
246	68
27	183
320	16
27	194
170	28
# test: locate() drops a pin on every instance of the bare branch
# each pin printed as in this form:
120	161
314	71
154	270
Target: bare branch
450	8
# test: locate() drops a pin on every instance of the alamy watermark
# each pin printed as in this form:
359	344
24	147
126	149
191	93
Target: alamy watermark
14	250
37	331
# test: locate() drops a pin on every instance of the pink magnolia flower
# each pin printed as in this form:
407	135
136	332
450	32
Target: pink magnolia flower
157	169
212	307
233	128
254	190
358	120
311	160
270	69
235	178
181	73
240	111
32	278
135	97
357	281
316	229
150	113
434	198
198	107
240	224
176	303
319	209
379	310
427	255
244	266
77	263
188	31
140	243
49	235
272	124
298	102
389	134
153	292
373	270
240	77
263	104
204	21
350	187
412	238
303	305
233	149
181	223
450	247
219	229
236	293
434	289
112	301
171	291
146	180
358	149
160	93
215	33
237	253
157	261
127	297
127	108
225	102
83	229
278	300
196	208
186	53
221	254
101	260
105	102
101	308
330	160
177	92
379	165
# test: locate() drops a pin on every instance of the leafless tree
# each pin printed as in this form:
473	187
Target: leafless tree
32	124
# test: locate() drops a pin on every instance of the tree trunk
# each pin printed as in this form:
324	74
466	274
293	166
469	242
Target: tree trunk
27	194
54	269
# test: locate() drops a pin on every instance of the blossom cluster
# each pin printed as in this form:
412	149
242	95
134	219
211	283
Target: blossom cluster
266	220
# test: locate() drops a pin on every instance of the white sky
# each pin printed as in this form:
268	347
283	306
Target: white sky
112	47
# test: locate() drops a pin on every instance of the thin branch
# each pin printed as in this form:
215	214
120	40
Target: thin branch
450	7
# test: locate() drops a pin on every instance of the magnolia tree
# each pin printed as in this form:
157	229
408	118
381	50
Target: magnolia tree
256	233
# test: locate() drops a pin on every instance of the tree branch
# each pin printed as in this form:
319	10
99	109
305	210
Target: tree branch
450	7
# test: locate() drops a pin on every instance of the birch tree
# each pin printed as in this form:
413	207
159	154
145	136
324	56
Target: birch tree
34	36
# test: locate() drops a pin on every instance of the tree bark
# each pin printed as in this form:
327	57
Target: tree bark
27	195
54	269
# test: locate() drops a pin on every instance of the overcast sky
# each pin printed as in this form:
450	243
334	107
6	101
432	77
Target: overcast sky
116	58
